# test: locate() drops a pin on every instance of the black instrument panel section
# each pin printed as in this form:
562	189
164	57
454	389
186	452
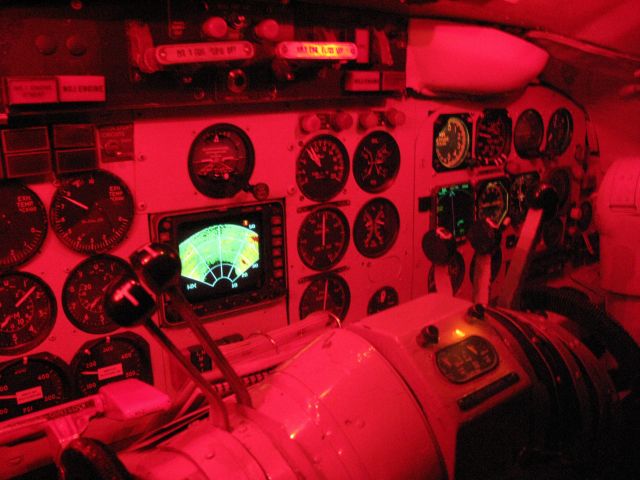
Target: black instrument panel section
468	359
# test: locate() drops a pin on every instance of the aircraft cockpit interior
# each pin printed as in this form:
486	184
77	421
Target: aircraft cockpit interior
305	239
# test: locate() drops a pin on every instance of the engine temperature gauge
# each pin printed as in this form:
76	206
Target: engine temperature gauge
110	359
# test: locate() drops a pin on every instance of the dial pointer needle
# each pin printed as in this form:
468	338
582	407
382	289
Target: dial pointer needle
25	296
75	202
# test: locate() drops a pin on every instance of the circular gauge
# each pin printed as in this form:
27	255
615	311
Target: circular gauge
110	359
323	238
23	224
91	212
528	134
451	142
455	208
493	137
559	132
521	188
456	270
27	312
560	180
82	294
329	292
29	384
376	162
496	263
384	298
221	161
492	201
552	233
322	168
375	229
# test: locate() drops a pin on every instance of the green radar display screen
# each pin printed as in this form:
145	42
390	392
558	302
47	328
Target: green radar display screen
232	258
220	258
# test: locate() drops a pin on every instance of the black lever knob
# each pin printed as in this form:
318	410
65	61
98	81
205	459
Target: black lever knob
158	264
439	245
545	197
128	303
484	236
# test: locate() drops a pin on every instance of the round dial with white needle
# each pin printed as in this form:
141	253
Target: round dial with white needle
83	292
329	293
27	312
376	162
322	168
323	238
91	212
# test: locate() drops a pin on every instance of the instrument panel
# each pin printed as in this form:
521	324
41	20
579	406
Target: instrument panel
339	229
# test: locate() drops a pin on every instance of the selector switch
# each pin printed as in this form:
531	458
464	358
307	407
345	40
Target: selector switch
368	120
310	123
395	117
341	121
267	29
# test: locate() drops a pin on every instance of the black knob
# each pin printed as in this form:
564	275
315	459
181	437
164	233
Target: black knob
127	302
158	264
439	245
484	236
545	197
429	335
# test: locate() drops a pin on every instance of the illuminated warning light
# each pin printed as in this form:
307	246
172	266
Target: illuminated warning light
317	50
204	52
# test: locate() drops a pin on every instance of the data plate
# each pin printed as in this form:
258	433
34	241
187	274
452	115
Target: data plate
466	360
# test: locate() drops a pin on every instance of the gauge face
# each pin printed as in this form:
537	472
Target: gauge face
376	162
456	271
322	168
492	201
329	292
384	298
221	161
23	224
454	209
32	383
493	137
111	359
528	134
83	291
91	212
559	132
466	360
521	188
323	238
561	181
27	312
376	227
451	142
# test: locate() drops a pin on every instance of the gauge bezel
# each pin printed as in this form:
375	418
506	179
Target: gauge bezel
344	287
391	163
28	252
222	187
138	343
499	158
118	231
67	295
303	243
530	150
359	228
303	177
440	164
56	364
46	327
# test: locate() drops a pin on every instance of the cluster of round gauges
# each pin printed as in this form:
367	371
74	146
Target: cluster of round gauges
32	383
324	234
457	206
322	167
529	133
90	213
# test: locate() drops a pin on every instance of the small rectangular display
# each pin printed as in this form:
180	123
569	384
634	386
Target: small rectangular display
455	208
220	256
231	257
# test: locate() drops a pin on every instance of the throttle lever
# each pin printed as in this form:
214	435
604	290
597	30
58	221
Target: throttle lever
484	236
544	203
